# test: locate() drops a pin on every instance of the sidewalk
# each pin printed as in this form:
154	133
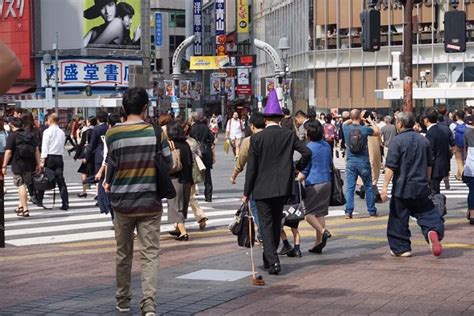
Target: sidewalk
355	276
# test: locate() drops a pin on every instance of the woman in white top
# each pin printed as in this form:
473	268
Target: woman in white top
234	132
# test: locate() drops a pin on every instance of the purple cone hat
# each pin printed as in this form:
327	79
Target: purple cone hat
272	108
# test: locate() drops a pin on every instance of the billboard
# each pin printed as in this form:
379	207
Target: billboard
208	62
197	26
158	29
15	32
95	72
243	17
112	24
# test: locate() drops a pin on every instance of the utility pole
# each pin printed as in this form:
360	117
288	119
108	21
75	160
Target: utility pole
408	58
56	86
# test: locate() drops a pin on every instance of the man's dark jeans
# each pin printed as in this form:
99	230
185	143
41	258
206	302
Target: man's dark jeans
427	215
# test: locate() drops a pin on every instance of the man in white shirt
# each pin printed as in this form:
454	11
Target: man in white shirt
52	151
234	132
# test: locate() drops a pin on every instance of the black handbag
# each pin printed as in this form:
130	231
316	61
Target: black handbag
246	236
164	186
294	212
337	188
237	225
45	180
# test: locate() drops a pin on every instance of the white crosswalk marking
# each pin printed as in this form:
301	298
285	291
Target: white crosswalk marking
83	221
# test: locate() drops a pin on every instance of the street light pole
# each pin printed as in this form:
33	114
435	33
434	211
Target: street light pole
408	58
56	65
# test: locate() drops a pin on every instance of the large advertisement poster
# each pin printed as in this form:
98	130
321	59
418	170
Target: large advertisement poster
112	24
15	32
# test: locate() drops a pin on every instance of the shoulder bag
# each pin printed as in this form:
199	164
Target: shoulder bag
177	165
164	186
337	188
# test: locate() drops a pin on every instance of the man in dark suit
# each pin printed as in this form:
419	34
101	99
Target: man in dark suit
270	176
96	152
440	145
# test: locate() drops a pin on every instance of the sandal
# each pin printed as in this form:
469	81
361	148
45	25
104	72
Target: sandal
19	211
25	213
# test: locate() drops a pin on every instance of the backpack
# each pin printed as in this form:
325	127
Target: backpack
329	132
176	166
459	131
25	145
356	141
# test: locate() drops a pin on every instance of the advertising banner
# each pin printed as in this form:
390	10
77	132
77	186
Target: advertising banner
184	89
215	86
208	62
112	24
229	88
243	16
15	32
169	88
243	76
83	72
269	85
197	91
244	89
197	27
220	28
158	29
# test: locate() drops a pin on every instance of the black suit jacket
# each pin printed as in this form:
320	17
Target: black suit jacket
440	146
270	169
96	145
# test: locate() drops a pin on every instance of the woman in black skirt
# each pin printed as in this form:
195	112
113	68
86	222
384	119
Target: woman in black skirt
317	177
86	169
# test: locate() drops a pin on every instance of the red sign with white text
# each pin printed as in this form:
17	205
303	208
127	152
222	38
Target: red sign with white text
15	32
244	89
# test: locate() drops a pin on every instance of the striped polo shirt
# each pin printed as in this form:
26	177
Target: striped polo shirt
132	147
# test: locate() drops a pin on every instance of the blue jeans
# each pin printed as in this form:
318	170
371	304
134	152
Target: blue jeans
427	215
470	197
353	170
253	208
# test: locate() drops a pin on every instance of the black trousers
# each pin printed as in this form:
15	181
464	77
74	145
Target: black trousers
208	185
270	212
56	164
435	185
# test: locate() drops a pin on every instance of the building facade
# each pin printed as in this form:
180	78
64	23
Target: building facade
330	70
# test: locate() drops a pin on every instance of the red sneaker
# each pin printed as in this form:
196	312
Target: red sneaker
435	245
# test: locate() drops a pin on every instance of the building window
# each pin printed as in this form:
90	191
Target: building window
175	40
159	64
177	19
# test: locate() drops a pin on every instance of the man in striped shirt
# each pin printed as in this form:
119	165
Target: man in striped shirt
132	186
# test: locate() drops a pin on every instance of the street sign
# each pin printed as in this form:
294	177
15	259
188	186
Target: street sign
49	95
219	75
244	89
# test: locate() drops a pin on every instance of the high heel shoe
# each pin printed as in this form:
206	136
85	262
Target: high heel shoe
82	195
184	237
316	249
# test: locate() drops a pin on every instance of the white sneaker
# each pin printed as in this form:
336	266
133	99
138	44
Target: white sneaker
406	254
123	307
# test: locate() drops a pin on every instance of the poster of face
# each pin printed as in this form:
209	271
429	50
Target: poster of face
269	85
197	90
229	88
215	86
184	89
112	24
287	85
169	91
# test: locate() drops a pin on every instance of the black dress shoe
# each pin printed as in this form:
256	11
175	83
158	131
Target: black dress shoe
64	208
36	202
294	253
174	233
275	269
326	236
316	249
82	195
182	238
285	250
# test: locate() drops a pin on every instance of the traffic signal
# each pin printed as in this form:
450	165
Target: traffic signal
455	31
370	37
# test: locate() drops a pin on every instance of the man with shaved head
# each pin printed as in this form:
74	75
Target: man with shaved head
356	131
